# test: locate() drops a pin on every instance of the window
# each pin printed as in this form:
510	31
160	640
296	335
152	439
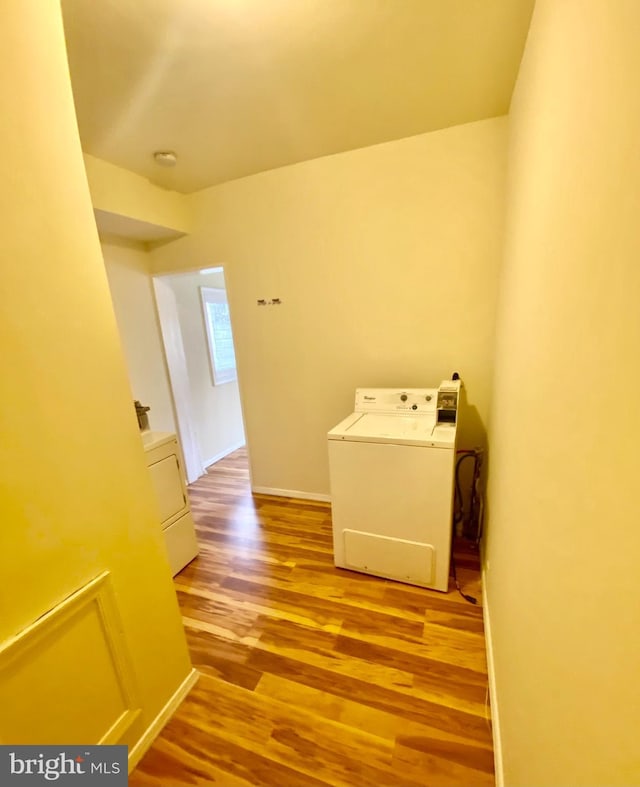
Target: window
218	324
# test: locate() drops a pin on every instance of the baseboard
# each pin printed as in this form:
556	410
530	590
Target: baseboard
222	454
154	729
495	714
295	493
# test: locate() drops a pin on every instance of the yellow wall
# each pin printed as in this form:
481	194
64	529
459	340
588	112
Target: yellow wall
76	499
127	266
564	533
386	261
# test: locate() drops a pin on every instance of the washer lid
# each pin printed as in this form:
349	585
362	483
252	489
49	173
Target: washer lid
420	430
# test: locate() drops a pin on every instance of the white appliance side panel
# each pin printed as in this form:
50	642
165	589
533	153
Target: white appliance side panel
181	543
397	491
167	484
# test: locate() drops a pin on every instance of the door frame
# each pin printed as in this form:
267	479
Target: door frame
178	377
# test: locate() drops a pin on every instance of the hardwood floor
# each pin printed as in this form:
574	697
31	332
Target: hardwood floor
311	675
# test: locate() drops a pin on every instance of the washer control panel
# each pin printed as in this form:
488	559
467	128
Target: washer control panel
418	401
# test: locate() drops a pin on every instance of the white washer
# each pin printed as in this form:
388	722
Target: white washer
391	465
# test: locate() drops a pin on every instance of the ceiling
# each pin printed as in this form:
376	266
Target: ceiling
236	87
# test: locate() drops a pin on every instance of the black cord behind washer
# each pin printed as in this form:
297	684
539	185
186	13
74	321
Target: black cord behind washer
466	596
459	514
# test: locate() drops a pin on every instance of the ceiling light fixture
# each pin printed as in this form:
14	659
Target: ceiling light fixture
165	158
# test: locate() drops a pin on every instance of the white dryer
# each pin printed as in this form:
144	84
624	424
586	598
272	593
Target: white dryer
392	465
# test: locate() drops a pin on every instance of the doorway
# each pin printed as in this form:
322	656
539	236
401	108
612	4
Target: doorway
196	330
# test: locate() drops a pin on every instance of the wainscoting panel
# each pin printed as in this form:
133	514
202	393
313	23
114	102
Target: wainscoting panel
67	677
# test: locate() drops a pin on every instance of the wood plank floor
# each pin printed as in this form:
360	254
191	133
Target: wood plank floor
311	675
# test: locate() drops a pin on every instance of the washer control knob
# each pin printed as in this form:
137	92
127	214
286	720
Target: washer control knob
414	406
403	397
429	398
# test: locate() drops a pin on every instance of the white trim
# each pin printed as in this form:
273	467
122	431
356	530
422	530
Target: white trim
155	728
295	493
171	333
495	716
222	454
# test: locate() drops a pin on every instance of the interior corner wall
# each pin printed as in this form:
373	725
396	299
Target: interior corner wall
216	411
77	508
127	266
563	543
128	199
386	262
